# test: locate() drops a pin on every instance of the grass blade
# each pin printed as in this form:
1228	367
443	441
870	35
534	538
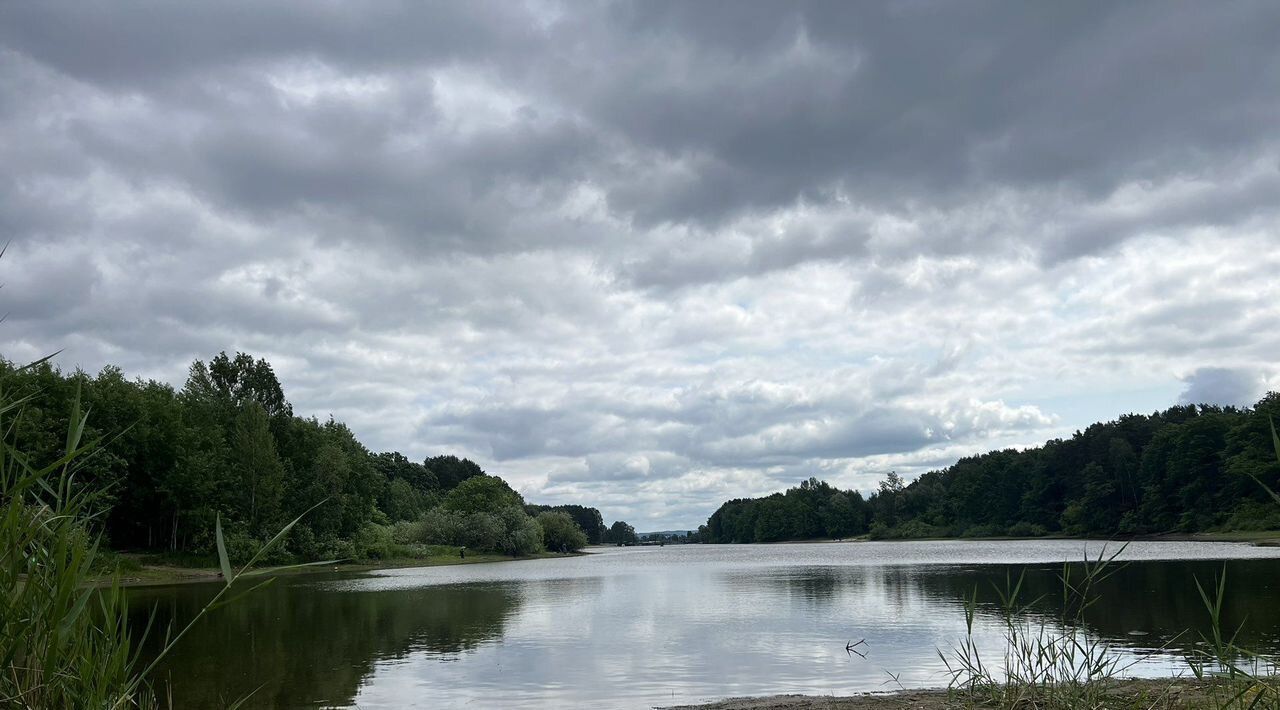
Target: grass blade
223	560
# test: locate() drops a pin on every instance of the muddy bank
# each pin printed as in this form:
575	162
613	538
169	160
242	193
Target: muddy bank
1146	694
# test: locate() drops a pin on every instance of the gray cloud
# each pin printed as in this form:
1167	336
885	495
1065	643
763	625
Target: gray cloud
654	255
1241	387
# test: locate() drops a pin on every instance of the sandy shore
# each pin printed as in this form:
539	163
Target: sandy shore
1145	694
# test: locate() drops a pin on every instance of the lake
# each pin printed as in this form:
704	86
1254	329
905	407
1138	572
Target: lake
645	626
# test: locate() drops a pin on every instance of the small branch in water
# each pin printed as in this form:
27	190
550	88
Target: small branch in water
851	648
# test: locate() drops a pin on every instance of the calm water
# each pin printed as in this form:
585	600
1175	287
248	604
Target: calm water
638	627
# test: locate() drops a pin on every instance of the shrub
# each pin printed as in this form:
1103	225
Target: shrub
241	546
1025	529
439	527
303	543
1252	515
560	533
481	531
983	531
521	534
916	529
407	532
373	542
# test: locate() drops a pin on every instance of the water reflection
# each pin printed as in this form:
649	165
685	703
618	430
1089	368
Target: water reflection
302	646
637	628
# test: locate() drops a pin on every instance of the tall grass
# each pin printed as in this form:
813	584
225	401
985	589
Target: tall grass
62	642
1046	663
65	641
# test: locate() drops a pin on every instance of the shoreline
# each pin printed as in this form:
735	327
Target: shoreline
160	575
1178	692
1259	538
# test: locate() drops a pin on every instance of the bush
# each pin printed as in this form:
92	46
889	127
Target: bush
407	532
439	527
241	546
521	534
560	533
303	543
373	542
916	529
1025	529
1252	515
481	531
983	531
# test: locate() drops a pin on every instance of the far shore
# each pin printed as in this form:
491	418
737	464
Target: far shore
161	574
157	573
1261	538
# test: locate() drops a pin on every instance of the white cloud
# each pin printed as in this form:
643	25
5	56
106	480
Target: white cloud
635	257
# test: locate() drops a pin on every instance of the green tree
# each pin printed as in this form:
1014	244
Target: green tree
621	533
241	380
481	494
451	470
257	469
560	533
521	535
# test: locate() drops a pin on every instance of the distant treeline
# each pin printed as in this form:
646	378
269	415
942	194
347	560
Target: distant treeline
1187	469
169	461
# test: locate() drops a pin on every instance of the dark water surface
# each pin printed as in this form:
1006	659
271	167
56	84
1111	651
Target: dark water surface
638	627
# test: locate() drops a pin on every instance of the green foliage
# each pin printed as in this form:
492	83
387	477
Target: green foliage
504	529
620	533
227	447
481	531
814	509
1186	469
560	533
589	519
374	542
62	642
521	535
481	493
439	527
450	471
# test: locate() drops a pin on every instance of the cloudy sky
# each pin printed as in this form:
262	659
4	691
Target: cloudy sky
652	256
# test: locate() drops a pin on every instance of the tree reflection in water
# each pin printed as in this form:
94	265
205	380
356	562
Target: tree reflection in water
305	646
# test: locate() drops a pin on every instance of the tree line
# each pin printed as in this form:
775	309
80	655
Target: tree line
228	444
1189	468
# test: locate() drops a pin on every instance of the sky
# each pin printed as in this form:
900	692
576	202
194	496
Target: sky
653	256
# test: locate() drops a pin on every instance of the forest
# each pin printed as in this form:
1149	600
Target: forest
167	463
1190	468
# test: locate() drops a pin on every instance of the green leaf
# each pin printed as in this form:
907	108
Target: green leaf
1274	496
37	363
280	536
223	560
241	595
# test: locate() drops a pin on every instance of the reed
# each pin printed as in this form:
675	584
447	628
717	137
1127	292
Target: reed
1046	662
